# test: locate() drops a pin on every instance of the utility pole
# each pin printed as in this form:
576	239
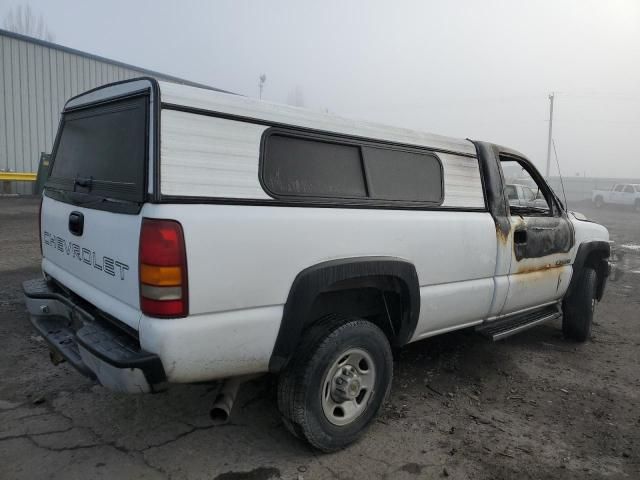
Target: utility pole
550	139
263	78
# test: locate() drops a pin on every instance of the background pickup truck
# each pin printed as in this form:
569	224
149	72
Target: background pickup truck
190	235
620	194
524	196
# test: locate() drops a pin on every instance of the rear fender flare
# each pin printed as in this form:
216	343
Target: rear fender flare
320	278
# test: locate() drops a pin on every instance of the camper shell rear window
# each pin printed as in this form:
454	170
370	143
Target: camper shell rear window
102	150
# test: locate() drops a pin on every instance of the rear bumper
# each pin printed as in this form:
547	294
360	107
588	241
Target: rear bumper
95	347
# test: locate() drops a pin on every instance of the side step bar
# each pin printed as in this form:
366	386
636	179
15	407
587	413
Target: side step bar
505	327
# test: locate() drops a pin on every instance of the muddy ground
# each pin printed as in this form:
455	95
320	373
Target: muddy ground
531	406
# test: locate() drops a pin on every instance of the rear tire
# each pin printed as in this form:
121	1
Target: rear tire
599	202
579	307
336	383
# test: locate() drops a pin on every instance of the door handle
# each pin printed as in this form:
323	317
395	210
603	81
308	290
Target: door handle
520	237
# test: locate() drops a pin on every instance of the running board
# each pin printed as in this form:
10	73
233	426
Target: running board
505	327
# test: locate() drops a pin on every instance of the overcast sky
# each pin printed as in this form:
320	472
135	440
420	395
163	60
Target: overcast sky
478	69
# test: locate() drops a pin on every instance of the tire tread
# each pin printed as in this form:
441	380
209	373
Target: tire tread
577	311
293	381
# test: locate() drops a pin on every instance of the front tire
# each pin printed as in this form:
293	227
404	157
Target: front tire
579	307
599	202
336	383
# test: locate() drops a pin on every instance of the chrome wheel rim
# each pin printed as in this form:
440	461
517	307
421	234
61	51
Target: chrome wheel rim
347	386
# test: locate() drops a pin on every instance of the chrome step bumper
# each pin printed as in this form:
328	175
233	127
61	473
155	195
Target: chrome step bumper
92	345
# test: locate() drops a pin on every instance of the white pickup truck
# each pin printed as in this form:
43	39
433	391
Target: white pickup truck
524	196
620	194
190	235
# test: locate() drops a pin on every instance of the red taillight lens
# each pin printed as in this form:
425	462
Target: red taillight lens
163	269
40	223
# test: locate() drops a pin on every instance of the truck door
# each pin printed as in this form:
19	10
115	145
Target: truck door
538	243
511	191
629	195
616	194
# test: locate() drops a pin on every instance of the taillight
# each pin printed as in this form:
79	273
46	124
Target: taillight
40	223
163	269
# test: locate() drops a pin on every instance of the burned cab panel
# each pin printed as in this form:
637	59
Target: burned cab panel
537	237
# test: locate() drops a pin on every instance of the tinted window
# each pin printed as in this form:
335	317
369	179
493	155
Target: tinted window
619	188
313	167
629	189
397	175
300	166
102	150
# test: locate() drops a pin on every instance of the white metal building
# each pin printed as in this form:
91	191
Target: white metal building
36	78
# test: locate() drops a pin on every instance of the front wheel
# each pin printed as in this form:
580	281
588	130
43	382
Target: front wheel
599	202
579	307
337	382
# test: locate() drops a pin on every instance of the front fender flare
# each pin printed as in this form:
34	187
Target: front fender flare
585	250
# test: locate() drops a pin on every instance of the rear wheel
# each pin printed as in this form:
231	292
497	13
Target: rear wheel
579	307
599	202
337	382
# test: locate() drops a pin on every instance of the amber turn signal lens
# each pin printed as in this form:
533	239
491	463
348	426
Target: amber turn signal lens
160	276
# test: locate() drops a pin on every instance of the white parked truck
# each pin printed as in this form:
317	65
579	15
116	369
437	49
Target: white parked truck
524	196
190	235
620	194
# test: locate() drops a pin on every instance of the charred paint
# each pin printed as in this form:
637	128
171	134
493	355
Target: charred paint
492	182
501	235
544	236
540	270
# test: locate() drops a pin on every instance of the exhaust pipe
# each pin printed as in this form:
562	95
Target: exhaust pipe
221	410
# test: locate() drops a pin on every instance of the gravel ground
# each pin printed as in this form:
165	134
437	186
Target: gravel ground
532	406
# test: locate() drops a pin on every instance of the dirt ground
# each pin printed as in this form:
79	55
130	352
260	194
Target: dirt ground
531	406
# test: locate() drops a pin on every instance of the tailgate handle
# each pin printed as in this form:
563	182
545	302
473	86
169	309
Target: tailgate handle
76	223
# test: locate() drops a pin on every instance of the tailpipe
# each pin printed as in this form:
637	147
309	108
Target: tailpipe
221	410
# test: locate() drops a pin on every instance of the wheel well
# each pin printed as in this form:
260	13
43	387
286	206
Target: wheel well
380	300
593	254
384	290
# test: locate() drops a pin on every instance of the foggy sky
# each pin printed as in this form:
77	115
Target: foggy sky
477	69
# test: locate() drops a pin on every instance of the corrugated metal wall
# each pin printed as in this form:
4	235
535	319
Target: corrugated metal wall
35	82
